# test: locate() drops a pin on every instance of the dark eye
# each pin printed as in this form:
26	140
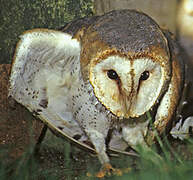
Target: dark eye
144	76
112	74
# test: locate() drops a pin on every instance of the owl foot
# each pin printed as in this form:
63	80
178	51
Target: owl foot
107	170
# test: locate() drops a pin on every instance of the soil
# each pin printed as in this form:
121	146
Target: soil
19	132
15	120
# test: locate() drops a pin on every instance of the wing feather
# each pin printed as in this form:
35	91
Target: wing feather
45	64
41	76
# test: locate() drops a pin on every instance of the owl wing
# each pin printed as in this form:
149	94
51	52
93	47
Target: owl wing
41	77
83	23
168	104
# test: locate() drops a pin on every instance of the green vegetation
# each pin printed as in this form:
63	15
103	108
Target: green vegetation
57	159
17	16
54	161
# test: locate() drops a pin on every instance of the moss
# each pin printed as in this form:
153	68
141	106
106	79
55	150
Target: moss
16	16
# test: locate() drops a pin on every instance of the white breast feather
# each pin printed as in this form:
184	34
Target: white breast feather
42	71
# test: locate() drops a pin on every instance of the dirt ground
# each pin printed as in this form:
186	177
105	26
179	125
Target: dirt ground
14	120
19	131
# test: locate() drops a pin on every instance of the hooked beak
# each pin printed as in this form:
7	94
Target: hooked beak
127	99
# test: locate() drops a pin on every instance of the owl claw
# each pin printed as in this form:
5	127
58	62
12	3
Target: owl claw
107	170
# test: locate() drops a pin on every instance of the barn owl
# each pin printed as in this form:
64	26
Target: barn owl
94	80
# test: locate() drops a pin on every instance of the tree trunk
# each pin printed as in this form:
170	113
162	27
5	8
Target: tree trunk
163	12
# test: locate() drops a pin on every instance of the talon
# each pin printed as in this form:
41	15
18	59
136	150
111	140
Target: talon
108	170
101	174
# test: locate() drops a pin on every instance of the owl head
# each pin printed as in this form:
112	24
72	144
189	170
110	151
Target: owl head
125	57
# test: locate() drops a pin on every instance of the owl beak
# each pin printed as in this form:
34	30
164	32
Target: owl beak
127	105
128	108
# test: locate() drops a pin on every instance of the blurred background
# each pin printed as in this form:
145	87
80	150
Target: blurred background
18	128
16	16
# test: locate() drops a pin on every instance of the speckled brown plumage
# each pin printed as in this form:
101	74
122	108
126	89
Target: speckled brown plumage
87	81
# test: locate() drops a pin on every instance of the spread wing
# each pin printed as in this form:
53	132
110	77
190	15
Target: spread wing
45	64
41	77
